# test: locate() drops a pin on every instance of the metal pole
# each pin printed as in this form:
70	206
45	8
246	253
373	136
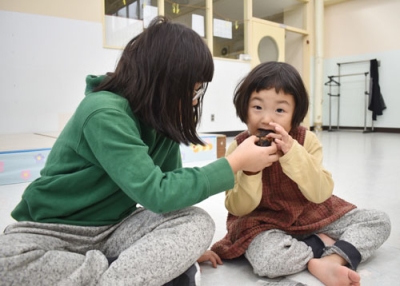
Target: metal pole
355	62
319	61
338	102
366	104
330	107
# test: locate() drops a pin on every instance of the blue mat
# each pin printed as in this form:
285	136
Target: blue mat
20	166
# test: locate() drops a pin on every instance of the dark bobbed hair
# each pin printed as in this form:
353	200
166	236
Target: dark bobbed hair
267	75
157	74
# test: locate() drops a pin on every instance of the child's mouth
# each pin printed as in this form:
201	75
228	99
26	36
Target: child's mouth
262	135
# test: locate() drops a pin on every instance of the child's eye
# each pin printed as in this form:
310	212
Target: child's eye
280	110
257	107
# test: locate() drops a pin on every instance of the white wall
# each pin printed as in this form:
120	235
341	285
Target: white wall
359	30
218	101
44	61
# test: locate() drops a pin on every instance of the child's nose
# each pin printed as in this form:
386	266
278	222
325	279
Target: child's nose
266	119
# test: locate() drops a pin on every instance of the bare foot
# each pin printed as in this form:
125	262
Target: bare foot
326	239
330	271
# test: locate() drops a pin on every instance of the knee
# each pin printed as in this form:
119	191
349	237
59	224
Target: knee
274	267
273	257
266	264
377	220
268	267
202	221
385	223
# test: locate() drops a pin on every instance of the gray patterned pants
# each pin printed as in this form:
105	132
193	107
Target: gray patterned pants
274	253
152	249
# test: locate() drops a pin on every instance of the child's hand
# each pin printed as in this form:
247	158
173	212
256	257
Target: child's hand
282	139
252	158
210	256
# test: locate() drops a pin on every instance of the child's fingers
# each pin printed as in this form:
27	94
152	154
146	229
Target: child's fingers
218	259
215	259
212	257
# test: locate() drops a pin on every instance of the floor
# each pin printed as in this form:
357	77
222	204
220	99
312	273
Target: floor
365	167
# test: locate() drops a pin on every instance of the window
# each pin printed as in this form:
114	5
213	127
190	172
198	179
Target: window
228	28
191	13
124	19
287	12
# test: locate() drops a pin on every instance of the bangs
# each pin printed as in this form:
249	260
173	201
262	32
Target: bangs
277	81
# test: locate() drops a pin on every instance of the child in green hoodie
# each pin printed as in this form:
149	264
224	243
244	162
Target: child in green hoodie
113	205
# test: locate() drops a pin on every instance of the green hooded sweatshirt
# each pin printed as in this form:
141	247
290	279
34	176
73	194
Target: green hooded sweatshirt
106	161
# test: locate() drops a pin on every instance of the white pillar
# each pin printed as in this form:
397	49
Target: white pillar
319	63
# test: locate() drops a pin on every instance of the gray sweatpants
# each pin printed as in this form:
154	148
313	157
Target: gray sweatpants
152	249
274	253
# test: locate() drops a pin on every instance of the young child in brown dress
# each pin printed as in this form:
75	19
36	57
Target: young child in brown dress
285	219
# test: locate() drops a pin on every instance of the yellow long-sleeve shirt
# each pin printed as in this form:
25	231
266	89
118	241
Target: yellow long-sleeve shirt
302	164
